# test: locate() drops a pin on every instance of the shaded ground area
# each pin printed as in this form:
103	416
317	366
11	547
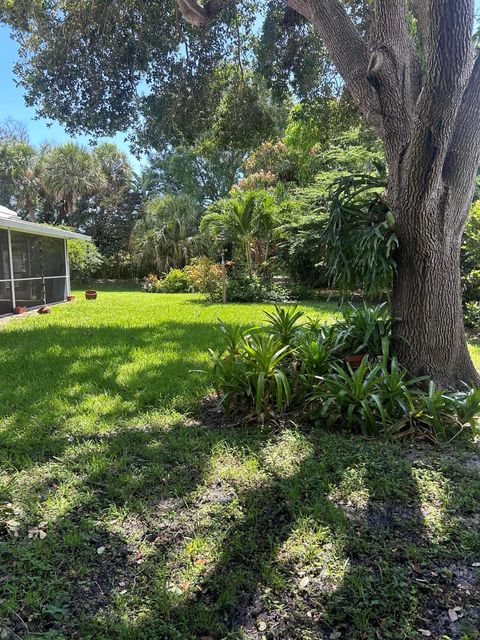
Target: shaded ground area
124	515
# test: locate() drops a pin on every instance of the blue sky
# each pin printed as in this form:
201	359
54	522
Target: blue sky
12	103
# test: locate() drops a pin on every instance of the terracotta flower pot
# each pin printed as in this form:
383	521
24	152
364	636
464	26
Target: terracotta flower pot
70	298
355	359
90	294
45	309
19	310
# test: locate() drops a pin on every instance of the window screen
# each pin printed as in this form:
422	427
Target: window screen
53	257
39	270
26	254
4	259
29	293
5	298
55	290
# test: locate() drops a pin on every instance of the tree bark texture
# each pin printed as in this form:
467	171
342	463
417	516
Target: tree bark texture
425	105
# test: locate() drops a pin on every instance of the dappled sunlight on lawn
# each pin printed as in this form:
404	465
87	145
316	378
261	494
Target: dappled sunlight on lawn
156	523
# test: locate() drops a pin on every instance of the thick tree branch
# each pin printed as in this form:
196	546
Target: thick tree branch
449	63
200	15
463	158
421	14
390	34
394	71
347	49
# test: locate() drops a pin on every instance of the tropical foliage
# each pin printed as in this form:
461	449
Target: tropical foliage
293	363
70	172
165	238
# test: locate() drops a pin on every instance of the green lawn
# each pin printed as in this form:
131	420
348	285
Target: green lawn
126	513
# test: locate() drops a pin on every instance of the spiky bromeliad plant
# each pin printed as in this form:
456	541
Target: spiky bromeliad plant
299	364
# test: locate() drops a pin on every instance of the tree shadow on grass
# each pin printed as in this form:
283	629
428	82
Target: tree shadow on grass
54	380
349	543
328	535
336	535
222	533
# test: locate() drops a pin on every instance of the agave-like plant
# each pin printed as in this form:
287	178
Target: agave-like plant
369	328
284	323
263	356
349	396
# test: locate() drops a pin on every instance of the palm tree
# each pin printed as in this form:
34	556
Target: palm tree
166	236
115	167
144	183
245	222
70	172
28	186
19	171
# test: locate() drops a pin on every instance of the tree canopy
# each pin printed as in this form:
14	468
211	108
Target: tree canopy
102	67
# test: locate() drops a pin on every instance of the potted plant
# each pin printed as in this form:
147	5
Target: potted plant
45	309
90	294
367	332
19	310
354	359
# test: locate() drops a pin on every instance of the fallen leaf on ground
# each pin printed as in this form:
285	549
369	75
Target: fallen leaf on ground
452	614
425	632
100	550
36	532
13	526
304	581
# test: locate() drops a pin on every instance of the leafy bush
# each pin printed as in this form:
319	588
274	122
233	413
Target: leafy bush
85	260
249	367
151	283
285	324
359	236
471	286
472	315
368	400
291	361
299	238
470	259
368	328
205	277
175	281
119	266
252	287
471	241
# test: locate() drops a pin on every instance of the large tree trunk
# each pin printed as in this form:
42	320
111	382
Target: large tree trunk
424	103
427	308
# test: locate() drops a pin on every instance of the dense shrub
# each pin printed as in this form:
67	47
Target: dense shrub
119	267
297	363
151	283
472	315
85	260
367	329
205	277
175	281
251	287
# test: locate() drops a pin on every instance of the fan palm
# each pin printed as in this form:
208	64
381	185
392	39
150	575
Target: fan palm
70	172
166	237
